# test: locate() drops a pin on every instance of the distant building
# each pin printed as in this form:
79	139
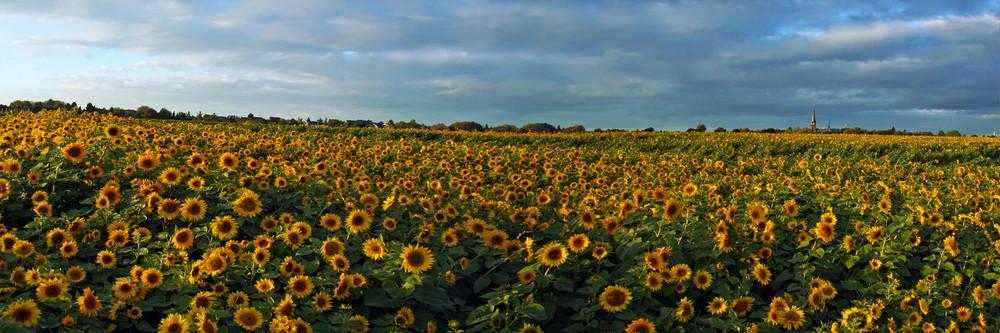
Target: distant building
827	130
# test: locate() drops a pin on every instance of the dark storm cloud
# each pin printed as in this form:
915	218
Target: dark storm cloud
669	65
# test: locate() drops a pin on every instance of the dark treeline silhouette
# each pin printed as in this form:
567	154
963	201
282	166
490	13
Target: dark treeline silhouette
466	126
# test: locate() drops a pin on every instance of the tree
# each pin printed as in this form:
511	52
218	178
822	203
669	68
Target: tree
720	129
700	128
505	128
468	126
574	129
145	112
250	116
538	128
439	127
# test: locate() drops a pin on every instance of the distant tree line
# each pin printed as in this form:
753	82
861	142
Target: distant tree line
465	126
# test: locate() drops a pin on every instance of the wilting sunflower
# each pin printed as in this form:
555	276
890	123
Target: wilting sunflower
224	227
174	323
25	312
615	298
248	205
416	259
89	303
702	280
74	152
684	310
762	274
193	209
182	239
359	221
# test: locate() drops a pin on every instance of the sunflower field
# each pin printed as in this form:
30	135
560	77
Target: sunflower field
118	224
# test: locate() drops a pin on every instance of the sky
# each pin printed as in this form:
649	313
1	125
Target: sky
670	65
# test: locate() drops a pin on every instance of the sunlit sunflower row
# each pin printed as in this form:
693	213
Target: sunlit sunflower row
125	224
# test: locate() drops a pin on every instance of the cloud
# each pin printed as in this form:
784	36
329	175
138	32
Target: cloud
669	64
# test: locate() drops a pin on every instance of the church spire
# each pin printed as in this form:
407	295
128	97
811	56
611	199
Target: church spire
812	125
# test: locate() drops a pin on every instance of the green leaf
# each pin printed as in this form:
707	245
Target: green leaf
562	284
479	314
482	282
529	268
532	310
432	296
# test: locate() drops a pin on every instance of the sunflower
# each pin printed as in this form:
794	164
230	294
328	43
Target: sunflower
25	312
963	314
74	152
653	261
4	188
640	325
615	298
875	264
196	183
300	286
106	259
124	289
264	285
553	254
238	299
332	247
791	208
680	272
672	210
183	239
654	281
215	264
527	328
340	263
170	176
174	323
757	212
951	245
43	209
51	288
762	274
248	205
322	301
202	300
702	280
293	238
742	305
152	277
360	320
792	318
358	221
578	243
824	231
717	305
684	310
494	238
169	209
23	248
248	318
147	162
404	317
224	227
416	259
193	209
228	161
848	243
330	222
75	274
